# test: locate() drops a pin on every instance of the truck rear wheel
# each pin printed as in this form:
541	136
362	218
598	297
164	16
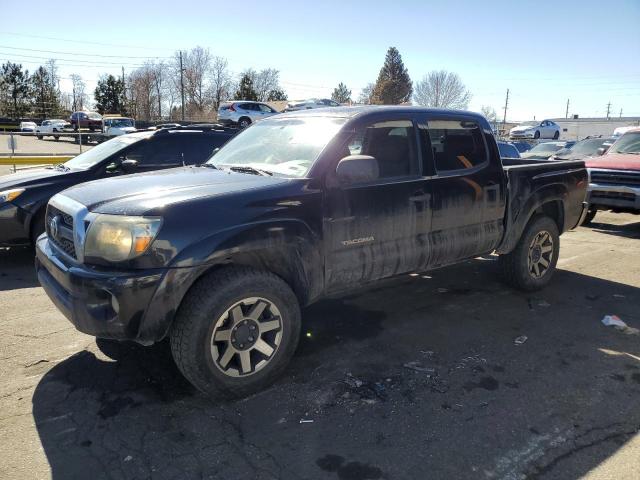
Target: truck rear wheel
531	264
235	331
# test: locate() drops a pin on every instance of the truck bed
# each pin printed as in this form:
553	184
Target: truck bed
529	180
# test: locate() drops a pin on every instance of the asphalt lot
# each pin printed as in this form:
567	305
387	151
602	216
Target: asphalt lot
30	145
417	378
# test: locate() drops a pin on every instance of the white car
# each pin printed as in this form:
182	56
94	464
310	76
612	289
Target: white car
28	126
618	132
311	103
243	113
535	130
115	126
51	127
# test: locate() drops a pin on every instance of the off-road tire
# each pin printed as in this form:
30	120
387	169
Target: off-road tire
204	303
591	214
515	266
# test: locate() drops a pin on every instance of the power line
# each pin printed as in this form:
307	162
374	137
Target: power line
81	54
76	41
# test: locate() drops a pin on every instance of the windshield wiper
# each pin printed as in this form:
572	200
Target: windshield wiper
248	169
209	165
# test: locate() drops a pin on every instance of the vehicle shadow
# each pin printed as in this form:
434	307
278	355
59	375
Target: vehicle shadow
542	409
16	268
630	230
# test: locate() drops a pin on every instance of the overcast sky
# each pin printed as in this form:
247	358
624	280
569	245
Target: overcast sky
545	52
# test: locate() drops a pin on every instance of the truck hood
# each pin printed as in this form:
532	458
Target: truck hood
615	161
143	193
34	177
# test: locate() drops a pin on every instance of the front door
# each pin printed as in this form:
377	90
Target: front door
373	229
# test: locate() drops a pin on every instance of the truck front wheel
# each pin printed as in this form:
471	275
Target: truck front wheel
531	264
236	331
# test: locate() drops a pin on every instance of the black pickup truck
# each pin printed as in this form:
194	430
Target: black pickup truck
219	258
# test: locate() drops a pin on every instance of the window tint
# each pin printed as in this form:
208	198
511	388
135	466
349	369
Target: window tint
249	106
392	143
158	152
456	144
265	108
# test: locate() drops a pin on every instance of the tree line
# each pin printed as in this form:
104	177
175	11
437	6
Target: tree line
154	91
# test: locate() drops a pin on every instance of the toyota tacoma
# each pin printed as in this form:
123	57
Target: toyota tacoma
220	258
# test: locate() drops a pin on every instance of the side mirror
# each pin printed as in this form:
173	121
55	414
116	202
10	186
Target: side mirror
129	165
357	169
601	151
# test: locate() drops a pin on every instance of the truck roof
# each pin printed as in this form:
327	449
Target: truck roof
358	110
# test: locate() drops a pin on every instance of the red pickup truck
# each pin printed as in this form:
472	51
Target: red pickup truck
614	177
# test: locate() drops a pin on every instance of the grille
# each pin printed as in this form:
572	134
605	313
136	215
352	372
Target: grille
64	238
615	178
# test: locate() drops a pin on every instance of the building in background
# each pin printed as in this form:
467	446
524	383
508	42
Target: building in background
579	128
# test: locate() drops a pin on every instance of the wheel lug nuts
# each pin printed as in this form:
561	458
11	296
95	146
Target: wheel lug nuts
251	339
252	327
241	345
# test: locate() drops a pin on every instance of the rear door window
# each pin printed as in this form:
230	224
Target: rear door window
456	145
159	152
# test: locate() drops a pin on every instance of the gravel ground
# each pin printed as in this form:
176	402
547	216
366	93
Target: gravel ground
415	378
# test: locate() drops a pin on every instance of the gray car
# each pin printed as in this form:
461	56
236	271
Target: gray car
243	113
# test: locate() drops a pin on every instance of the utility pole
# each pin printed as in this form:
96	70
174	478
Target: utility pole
608	109
620	113
506	104
124	92
566	113
182	84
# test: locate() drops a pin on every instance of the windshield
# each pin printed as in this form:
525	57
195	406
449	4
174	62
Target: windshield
120	122
94	116
628	143
100	152
545	148
286	146
585	147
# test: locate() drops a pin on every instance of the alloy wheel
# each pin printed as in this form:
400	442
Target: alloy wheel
540	254
246	337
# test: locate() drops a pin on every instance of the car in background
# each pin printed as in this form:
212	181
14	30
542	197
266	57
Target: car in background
522	145
508	150
165	125
51	127
244	113
622	130
24	194
545	150
614	178
115	126
589	147
535	130
90	120
311	103
28	126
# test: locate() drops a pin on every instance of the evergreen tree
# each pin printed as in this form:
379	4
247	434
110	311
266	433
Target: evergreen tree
43	95
109	95
276	95
245	89
341	94
14	83
393	85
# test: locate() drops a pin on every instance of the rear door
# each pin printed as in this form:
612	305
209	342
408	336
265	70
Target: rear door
468	190
372	229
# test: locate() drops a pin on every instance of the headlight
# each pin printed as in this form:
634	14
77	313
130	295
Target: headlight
9	195
117	237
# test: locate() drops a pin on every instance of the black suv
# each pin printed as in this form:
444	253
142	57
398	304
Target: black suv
24	194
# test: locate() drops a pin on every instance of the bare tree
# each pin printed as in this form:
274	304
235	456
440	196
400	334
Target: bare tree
442	89
142	93
196	64
265	81
489	113
365	94
77	91
221	81
159	75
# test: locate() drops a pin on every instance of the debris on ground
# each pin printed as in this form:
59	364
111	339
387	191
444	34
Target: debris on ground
521	339
544	304
442	290
473	361
619	324
619	295
31	364
418	367
305	421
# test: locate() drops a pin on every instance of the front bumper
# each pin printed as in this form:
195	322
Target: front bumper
12	225
614	196
109	304
522	135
